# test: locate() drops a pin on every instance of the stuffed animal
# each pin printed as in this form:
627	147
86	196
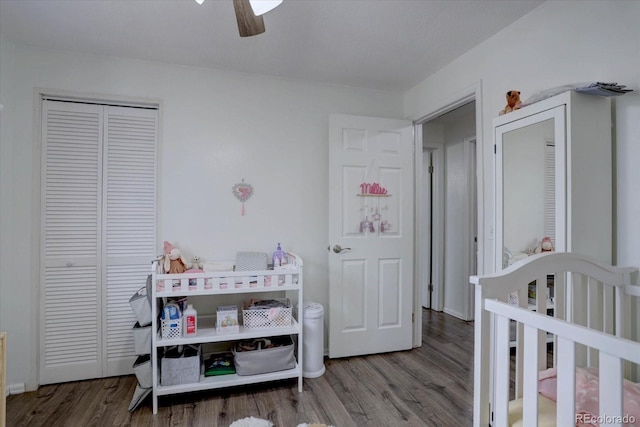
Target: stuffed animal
513	102
173	261
546	245
196	264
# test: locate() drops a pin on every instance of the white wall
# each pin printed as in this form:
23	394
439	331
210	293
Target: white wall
216	129
558	43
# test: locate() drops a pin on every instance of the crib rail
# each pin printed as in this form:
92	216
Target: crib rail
586	293
612	351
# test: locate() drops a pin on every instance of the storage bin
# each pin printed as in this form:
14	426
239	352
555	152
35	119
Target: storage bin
181	365
262	360
251	261
142	339
142	369
171	321
140	303
277	316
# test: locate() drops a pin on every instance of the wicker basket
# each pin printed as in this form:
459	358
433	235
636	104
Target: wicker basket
278	317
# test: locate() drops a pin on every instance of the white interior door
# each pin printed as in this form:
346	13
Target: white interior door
371	210
472	224
427	224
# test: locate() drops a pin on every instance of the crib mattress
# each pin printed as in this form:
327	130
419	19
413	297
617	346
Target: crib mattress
546	412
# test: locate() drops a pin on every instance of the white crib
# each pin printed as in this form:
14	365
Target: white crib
594	324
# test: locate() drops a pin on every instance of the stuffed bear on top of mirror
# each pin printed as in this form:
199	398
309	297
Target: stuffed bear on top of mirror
513	102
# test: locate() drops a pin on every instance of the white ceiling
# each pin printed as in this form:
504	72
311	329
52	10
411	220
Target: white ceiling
385	44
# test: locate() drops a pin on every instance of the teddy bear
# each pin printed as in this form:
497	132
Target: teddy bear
173	261
546	245
513	102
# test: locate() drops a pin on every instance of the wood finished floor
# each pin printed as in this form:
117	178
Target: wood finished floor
427	386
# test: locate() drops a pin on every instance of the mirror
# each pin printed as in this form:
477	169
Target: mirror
528	189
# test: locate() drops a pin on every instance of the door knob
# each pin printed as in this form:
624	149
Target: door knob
337	249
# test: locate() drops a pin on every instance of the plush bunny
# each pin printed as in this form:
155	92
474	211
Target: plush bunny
546	245
173	261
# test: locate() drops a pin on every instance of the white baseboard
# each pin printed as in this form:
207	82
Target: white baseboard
454	313
16	388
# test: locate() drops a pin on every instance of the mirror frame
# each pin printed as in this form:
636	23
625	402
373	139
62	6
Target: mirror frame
557	114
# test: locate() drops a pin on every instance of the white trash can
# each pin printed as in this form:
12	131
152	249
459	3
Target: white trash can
313	340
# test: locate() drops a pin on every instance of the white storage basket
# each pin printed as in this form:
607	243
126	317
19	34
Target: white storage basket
171	321
277	317
171	328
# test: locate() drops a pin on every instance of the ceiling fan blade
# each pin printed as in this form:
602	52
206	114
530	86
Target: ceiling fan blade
248	23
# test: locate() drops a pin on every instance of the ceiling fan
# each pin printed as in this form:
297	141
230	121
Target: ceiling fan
249	15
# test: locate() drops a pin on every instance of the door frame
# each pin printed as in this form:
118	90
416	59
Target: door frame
458	99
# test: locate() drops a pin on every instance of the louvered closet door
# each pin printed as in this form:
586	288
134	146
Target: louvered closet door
130	224
550	191
98	235
70	329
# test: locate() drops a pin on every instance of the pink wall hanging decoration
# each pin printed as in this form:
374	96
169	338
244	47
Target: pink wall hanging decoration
242	191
